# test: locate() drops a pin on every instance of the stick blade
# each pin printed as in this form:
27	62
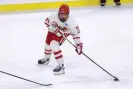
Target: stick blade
116	79
46	84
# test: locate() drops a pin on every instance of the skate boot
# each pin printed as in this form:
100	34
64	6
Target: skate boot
102	4
59	70
44	61
117	4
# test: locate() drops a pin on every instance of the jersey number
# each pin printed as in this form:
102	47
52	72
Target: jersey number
47	22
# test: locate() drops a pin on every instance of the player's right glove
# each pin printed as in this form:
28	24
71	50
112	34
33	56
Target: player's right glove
79	48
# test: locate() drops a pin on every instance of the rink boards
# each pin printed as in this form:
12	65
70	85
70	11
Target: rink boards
52	5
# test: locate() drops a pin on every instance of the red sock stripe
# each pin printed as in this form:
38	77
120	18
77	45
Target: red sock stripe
47	53
48	50
58	57
55	53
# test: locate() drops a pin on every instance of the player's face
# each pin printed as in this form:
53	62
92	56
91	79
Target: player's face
63	17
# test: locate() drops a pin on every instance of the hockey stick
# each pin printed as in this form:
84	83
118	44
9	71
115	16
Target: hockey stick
25	79
115	78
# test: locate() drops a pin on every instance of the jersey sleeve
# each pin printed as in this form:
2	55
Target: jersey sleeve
75	32
48	23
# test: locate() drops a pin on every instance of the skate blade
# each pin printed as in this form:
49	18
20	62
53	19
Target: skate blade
59	73
42	64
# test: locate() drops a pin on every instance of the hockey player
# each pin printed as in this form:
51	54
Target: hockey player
117	2
60	24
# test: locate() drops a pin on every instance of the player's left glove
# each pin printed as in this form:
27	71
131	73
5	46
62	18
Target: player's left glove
79	48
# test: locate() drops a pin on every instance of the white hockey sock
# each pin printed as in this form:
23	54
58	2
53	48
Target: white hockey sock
59	57
47	54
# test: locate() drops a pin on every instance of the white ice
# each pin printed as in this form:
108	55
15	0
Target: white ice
107	35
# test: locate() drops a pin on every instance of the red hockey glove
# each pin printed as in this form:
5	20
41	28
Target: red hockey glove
79	48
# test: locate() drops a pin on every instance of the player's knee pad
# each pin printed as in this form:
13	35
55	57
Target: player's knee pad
47	47
54	45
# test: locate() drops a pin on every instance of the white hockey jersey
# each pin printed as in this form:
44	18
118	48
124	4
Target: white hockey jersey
70	25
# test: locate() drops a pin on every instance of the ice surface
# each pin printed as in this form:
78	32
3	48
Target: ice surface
107	35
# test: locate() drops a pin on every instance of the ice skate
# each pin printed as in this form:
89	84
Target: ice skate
59	70
43	61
